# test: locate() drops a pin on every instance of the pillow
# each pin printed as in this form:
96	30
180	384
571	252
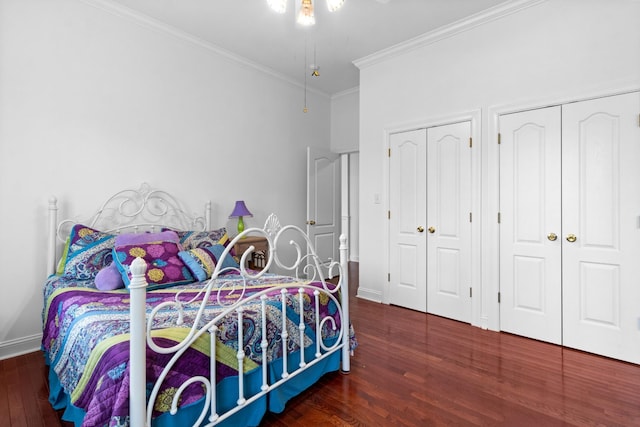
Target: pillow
201	239
88	252
139	238
63	258
164	266
109	278
202	261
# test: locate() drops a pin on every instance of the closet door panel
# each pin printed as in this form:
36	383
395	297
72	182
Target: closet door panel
601	226
407	206
449	232
600	289
530	197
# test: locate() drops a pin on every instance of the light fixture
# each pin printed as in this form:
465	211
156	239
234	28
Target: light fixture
334	5
304	9
279	6
305	109
240	210
305	16
315	68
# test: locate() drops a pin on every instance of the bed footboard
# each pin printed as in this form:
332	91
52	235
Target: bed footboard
302	297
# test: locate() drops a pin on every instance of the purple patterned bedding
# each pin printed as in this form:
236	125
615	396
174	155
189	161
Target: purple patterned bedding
85	338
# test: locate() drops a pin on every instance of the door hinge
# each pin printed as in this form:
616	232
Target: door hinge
388	277
499	138
470	292
498	297
389	152
388	214
639	120
470	142
470	217
499	217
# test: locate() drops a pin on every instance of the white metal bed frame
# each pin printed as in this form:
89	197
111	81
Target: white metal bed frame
147	209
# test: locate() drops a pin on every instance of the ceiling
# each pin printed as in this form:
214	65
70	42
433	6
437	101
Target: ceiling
251	30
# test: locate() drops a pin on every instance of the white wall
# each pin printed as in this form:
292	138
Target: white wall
548	51
354	207
345	107
344	139
92	102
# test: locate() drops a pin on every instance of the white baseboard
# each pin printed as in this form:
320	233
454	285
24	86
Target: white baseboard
20	346
368	294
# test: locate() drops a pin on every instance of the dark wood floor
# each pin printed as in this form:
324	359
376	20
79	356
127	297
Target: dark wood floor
412	369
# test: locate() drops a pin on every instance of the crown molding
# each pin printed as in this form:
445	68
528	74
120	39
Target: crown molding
152	23
345	92
450	30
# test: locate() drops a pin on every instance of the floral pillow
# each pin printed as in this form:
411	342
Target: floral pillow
88	252
201	239
164	266
202	261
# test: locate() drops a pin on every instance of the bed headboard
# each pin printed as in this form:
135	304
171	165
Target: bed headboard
144	209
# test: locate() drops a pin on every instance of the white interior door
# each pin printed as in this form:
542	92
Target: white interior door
530	234
449	221
601	226
407	211
323	203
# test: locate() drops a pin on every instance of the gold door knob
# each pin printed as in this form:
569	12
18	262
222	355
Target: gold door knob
311	222
552	237
571	238
431	230
420	229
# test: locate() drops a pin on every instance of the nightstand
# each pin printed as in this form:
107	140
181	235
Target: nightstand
260	256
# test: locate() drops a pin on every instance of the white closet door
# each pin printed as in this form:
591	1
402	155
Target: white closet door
530	234
407	207
601	209
449	226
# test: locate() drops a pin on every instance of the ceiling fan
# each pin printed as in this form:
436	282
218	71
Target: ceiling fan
304	9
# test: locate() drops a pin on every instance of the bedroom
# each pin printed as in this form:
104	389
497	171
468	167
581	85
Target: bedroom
87	88
70	109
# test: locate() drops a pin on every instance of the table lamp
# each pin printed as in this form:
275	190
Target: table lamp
239	211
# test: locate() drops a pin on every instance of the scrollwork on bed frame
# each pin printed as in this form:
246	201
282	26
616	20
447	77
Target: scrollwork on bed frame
144	209
304	263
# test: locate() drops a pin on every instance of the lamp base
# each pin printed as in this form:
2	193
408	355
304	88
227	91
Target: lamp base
240	225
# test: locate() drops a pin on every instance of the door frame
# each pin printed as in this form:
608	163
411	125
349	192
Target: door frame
473	116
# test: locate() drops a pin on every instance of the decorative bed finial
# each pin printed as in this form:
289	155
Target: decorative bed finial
144	189
272	225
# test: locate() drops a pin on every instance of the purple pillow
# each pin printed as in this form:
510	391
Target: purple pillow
142	238
109	278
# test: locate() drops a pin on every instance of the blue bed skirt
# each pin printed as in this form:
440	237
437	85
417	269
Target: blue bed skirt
250	416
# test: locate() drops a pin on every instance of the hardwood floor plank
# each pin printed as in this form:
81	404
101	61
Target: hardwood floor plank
16	416
29	390
413	369
4	389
